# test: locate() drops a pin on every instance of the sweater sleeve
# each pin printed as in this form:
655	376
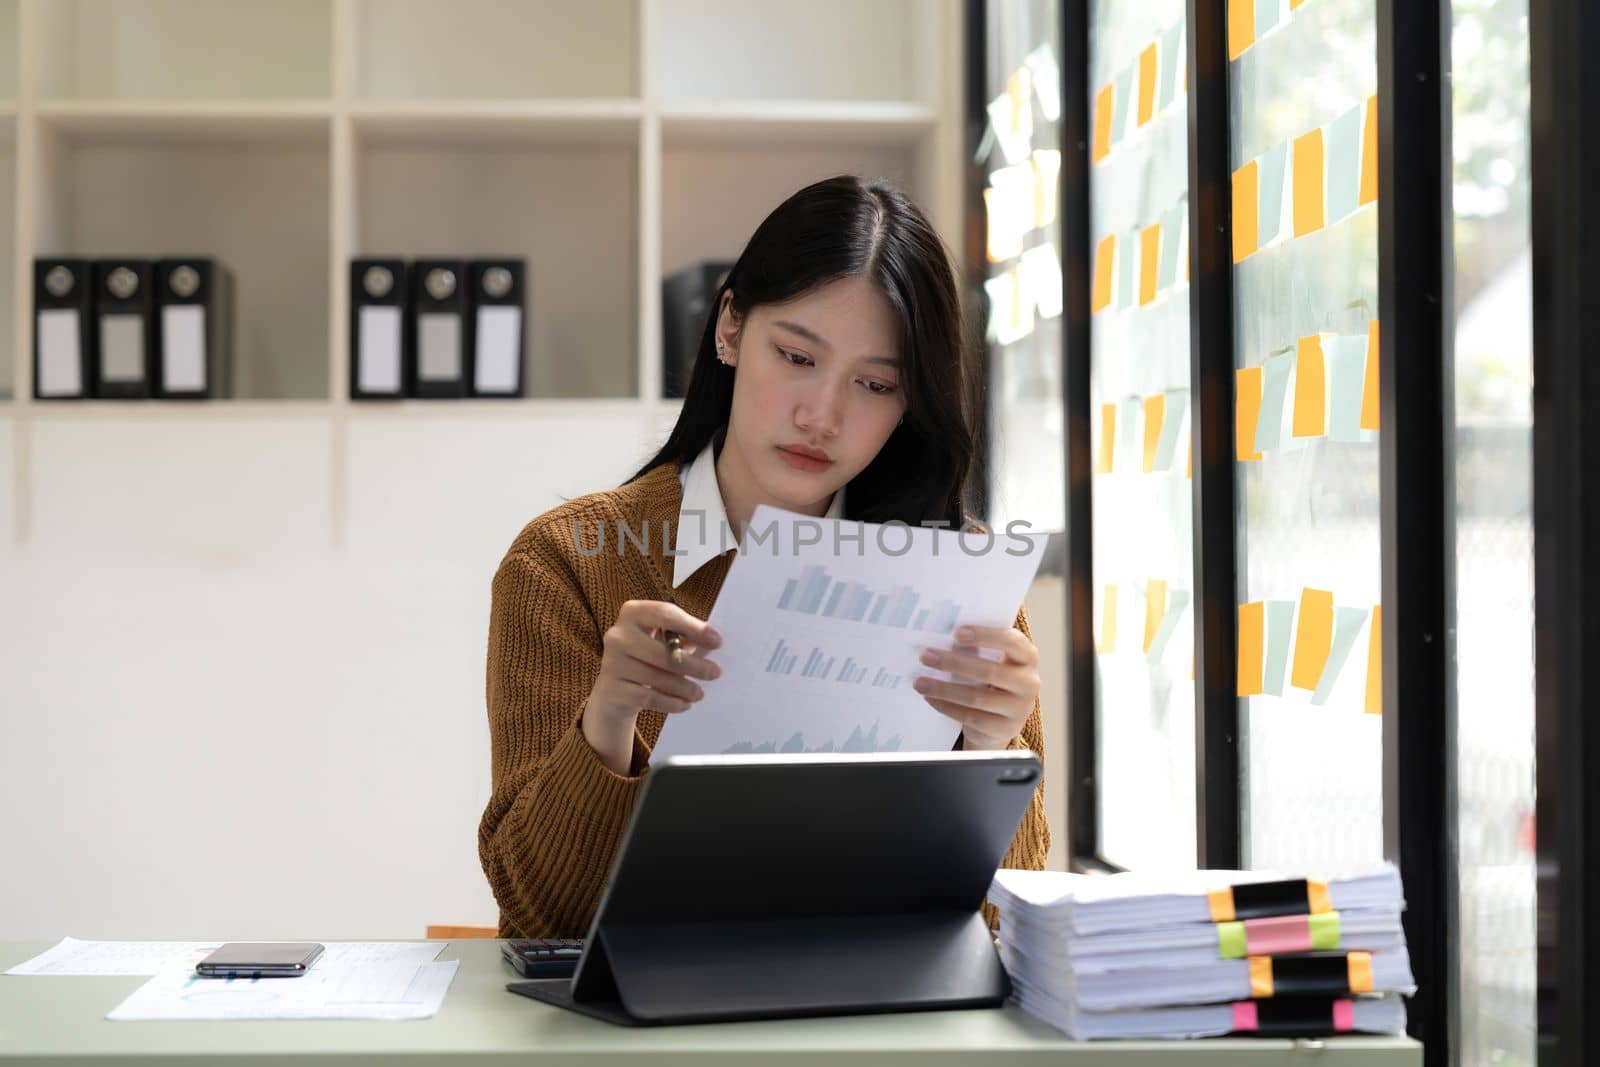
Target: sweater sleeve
556	814
1031	844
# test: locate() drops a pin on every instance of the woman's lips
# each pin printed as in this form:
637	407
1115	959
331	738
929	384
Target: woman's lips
804	463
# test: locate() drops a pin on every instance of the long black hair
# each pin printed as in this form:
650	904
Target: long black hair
847	227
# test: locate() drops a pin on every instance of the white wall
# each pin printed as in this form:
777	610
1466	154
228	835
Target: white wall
214	720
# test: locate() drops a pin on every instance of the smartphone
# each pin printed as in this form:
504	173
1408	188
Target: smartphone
260	959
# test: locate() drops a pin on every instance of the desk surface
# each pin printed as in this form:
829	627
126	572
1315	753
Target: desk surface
62	1020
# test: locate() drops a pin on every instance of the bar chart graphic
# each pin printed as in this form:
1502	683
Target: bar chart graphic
819	666
858	741
815	592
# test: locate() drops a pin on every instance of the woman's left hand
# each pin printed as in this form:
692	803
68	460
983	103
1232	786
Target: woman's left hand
991	699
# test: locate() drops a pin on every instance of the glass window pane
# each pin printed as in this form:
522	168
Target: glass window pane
1139	404
1302	80
1494	533
1023	280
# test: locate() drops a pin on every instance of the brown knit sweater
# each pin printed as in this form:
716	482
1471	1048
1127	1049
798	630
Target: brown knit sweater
556	813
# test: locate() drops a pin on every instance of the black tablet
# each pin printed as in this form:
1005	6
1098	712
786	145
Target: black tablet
768	886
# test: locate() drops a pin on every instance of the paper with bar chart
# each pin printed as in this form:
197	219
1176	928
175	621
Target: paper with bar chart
823	624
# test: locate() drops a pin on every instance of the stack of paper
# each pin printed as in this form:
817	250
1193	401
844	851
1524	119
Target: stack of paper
1205	953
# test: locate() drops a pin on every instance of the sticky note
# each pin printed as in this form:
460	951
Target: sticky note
1310	389
1344	163
1188	470
1125	279
1171	242
1005	240
1313	639
1147	83
1308	183
1119	105
1266	15
1274	394
1154	407
1104	263
1046	163
1040	268
1369	152
1246	413
1375	662
1176	602
1347	368
1149	260
1128	418
1250	618
1295	3
1176	406
1108	437
1102	123
1272	166
1108	620
1246	202
1280	629
1171	52
1241	26
1369	393
1155	608
1347	624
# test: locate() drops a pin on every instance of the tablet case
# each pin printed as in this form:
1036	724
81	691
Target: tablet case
758	887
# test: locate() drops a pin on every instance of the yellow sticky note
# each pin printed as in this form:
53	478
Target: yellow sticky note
1313	638
1375	663
1155	608
1108	621
1369	153
1104	256
1241	26
1102	122
1188	470
1252	625
1246	206
1308	183
1310	389
1246	412
1369	388
1108	437
1295	3
1149	260
1147	83
1155	408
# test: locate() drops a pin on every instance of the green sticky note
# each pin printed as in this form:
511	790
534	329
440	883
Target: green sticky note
1172	47
1120	98
1126	243
1347	623
1177	600
1177	405
1270	168
1274	389
1342	145
1171	241
1347	372
1325	931
1280	632
1231	940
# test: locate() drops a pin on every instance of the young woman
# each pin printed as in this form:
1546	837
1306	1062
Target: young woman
830	381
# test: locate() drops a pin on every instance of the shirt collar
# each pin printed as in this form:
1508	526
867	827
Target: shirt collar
703	529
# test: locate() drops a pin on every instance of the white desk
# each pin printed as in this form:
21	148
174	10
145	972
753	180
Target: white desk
61	1021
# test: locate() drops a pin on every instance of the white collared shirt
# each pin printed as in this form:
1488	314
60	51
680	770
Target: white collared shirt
703	529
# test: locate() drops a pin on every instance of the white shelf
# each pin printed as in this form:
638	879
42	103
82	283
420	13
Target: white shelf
607	143
451	122
176	121
793	123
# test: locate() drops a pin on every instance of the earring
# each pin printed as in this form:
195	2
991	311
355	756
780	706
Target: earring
721	357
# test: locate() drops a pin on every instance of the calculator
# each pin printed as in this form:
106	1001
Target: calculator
541	957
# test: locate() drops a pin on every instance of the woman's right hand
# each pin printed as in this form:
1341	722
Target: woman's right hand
637	673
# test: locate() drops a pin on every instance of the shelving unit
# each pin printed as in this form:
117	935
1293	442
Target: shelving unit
609	143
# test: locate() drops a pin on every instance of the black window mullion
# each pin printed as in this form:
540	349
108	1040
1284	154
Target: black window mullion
1211	362
1564	37
1083	794
1416	404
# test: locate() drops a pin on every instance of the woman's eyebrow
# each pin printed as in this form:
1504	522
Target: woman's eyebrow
814	338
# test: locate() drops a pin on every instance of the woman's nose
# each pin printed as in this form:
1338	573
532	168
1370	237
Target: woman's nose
821	411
